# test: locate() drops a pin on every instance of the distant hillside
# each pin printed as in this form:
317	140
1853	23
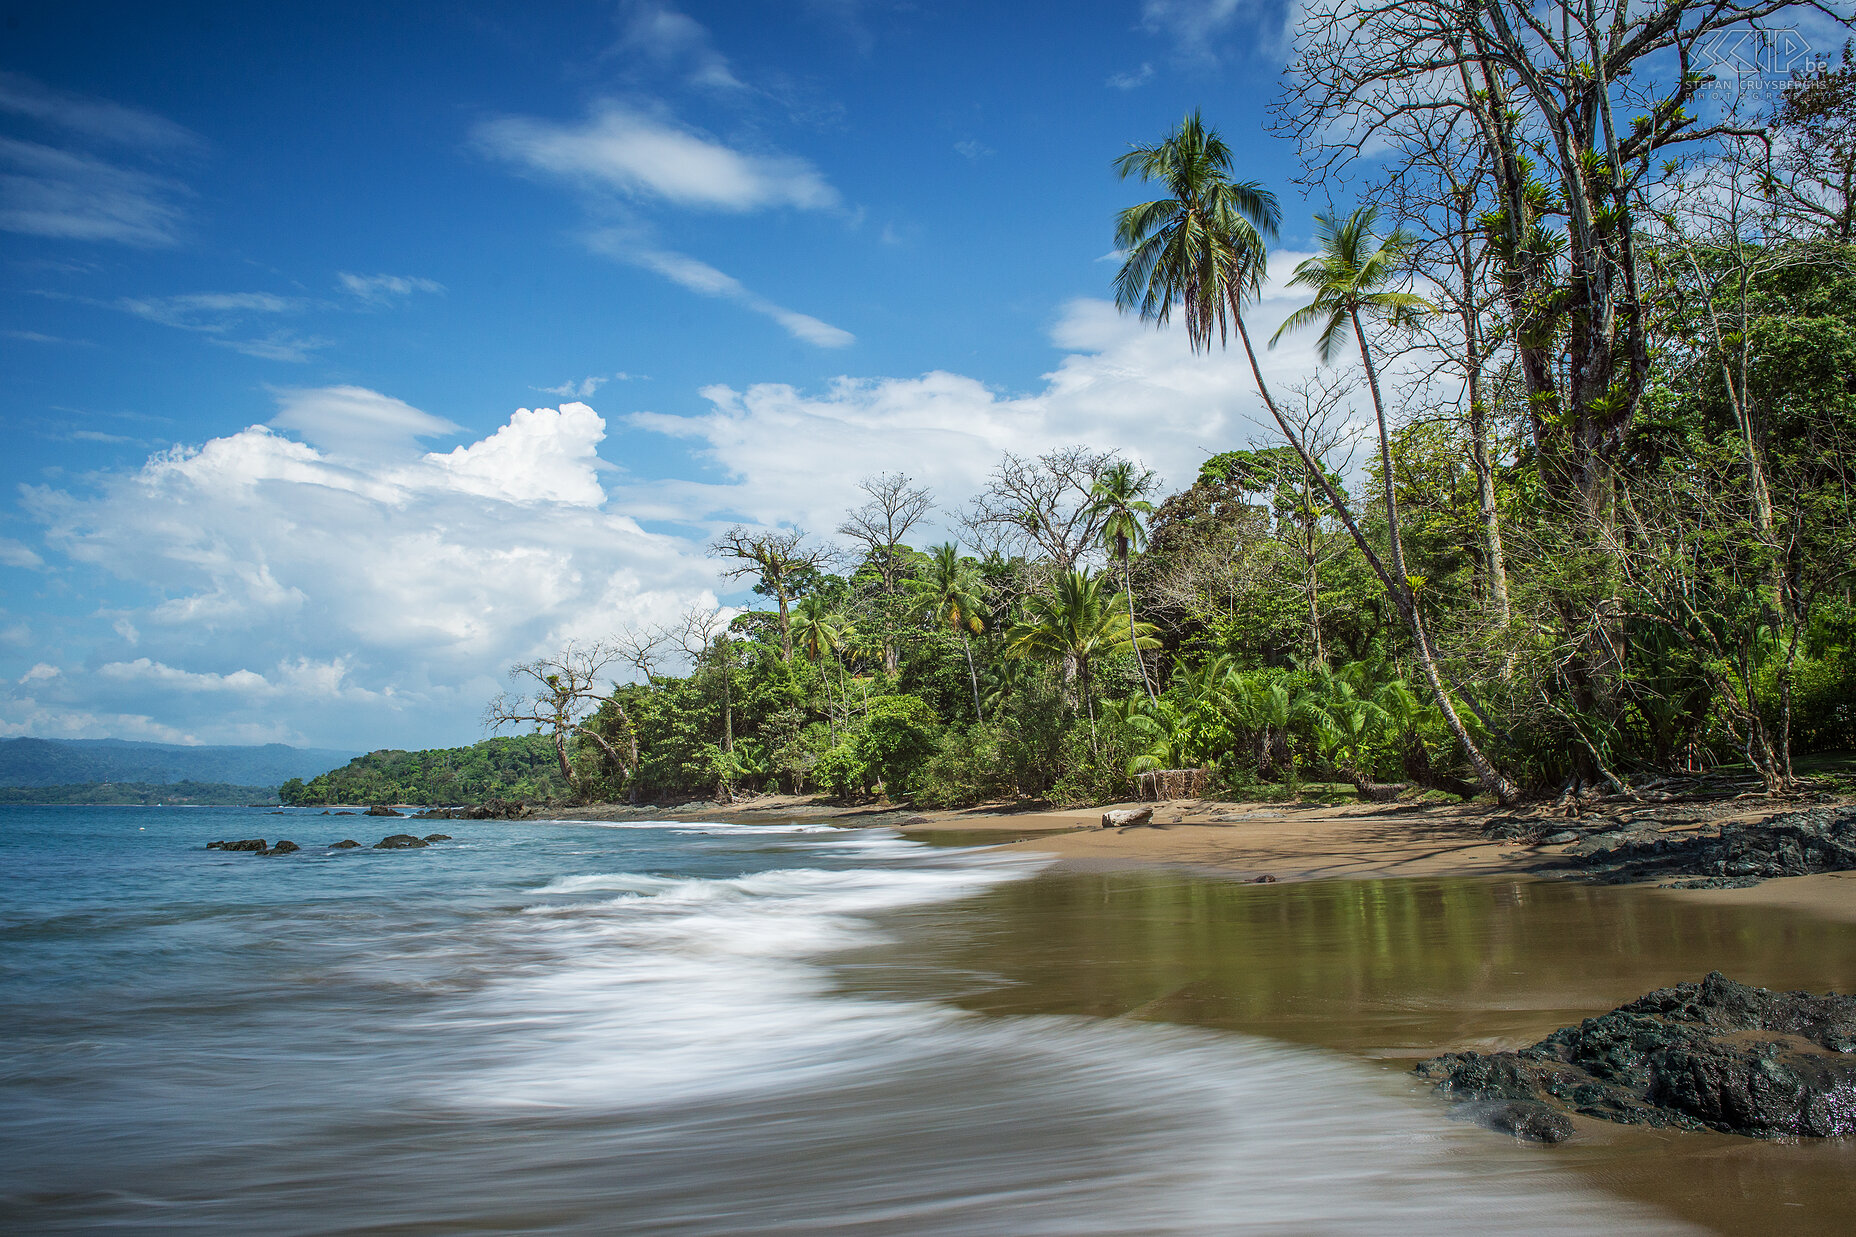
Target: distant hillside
72	762
516	767
143	793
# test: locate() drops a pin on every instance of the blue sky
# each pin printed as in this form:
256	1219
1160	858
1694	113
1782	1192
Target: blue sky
280	277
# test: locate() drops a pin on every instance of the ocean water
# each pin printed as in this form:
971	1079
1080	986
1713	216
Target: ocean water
577	1028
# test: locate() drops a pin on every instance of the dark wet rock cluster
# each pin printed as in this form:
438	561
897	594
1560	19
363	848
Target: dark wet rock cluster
1713	1055
257	846
1737	854
381	809
397	841
491	809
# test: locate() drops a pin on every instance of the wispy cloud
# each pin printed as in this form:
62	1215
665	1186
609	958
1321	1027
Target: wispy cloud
98	119
1197	27
1134	80
701	278
15	554
278	346
39	337
208	312
675	40
973	149
379	289
70	194
75	196
649	157
583	388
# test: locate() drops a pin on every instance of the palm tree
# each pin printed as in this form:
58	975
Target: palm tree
951	588
817	628
819	632
1118	498
1074	624
1203	247
1349	277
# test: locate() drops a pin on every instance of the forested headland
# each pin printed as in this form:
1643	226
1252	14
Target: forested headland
1568	503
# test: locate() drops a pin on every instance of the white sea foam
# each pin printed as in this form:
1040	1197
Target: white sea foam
690	1036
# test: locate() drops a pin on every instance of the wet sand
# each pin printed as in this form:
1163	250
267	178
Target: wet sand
1390	971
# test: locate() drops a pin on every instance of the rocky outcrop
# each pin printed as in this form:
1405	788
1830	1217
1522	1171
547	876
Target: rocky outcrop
438	837
346	844
1123	817
1737	854
1711	1055
381	809
400	841
492	809
257	846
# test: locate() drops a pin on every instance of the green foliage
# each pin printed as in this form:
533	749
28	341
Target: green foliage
898	735
145	794
519	767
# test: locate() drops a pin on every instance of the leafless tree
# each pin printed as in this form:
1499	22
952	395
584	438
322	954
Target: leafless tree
1044	505
895	507
775	560
559	695
645	649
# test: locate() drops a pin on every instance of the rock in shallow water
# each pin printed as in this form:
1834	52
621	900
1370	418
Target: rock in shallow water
1714	1055
346	844
400	841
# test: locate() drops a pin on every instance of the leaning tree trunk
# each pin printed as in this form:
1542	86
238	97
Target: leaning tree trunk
1127	584
1491	778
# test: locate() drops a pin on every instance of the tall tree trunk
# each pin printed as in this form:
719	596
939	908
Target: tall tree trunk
1491	779
972	675
1127	585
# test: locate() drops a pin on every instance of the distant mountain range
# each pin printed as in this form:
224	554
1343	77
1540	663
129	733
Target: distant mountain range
66	762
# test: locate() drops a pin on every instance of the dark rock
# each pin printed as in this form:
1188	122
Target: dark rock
381	809
345	844
436	813
1532	1120
400	841
1265	879
497	809
438	837
1740	854
325	811
284	847
1714	1055
1560	839
251	844
341	813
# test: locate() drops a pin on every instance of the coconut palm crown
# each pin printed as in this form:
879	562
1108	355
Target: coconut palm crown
1349	274
1202	247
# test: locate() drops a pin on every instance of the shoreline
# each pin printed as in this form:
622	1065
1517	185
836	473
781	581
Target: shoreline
1283	841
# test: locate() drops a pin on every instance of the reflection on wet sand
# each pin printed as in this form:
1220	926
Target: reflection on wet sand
1395	970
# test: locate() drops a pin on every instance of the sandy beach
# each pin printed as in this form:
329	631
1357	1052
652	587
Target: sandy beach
1286	841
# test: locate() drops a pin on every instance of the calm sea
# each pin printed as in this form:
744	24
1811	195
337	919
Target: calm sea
645	1028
